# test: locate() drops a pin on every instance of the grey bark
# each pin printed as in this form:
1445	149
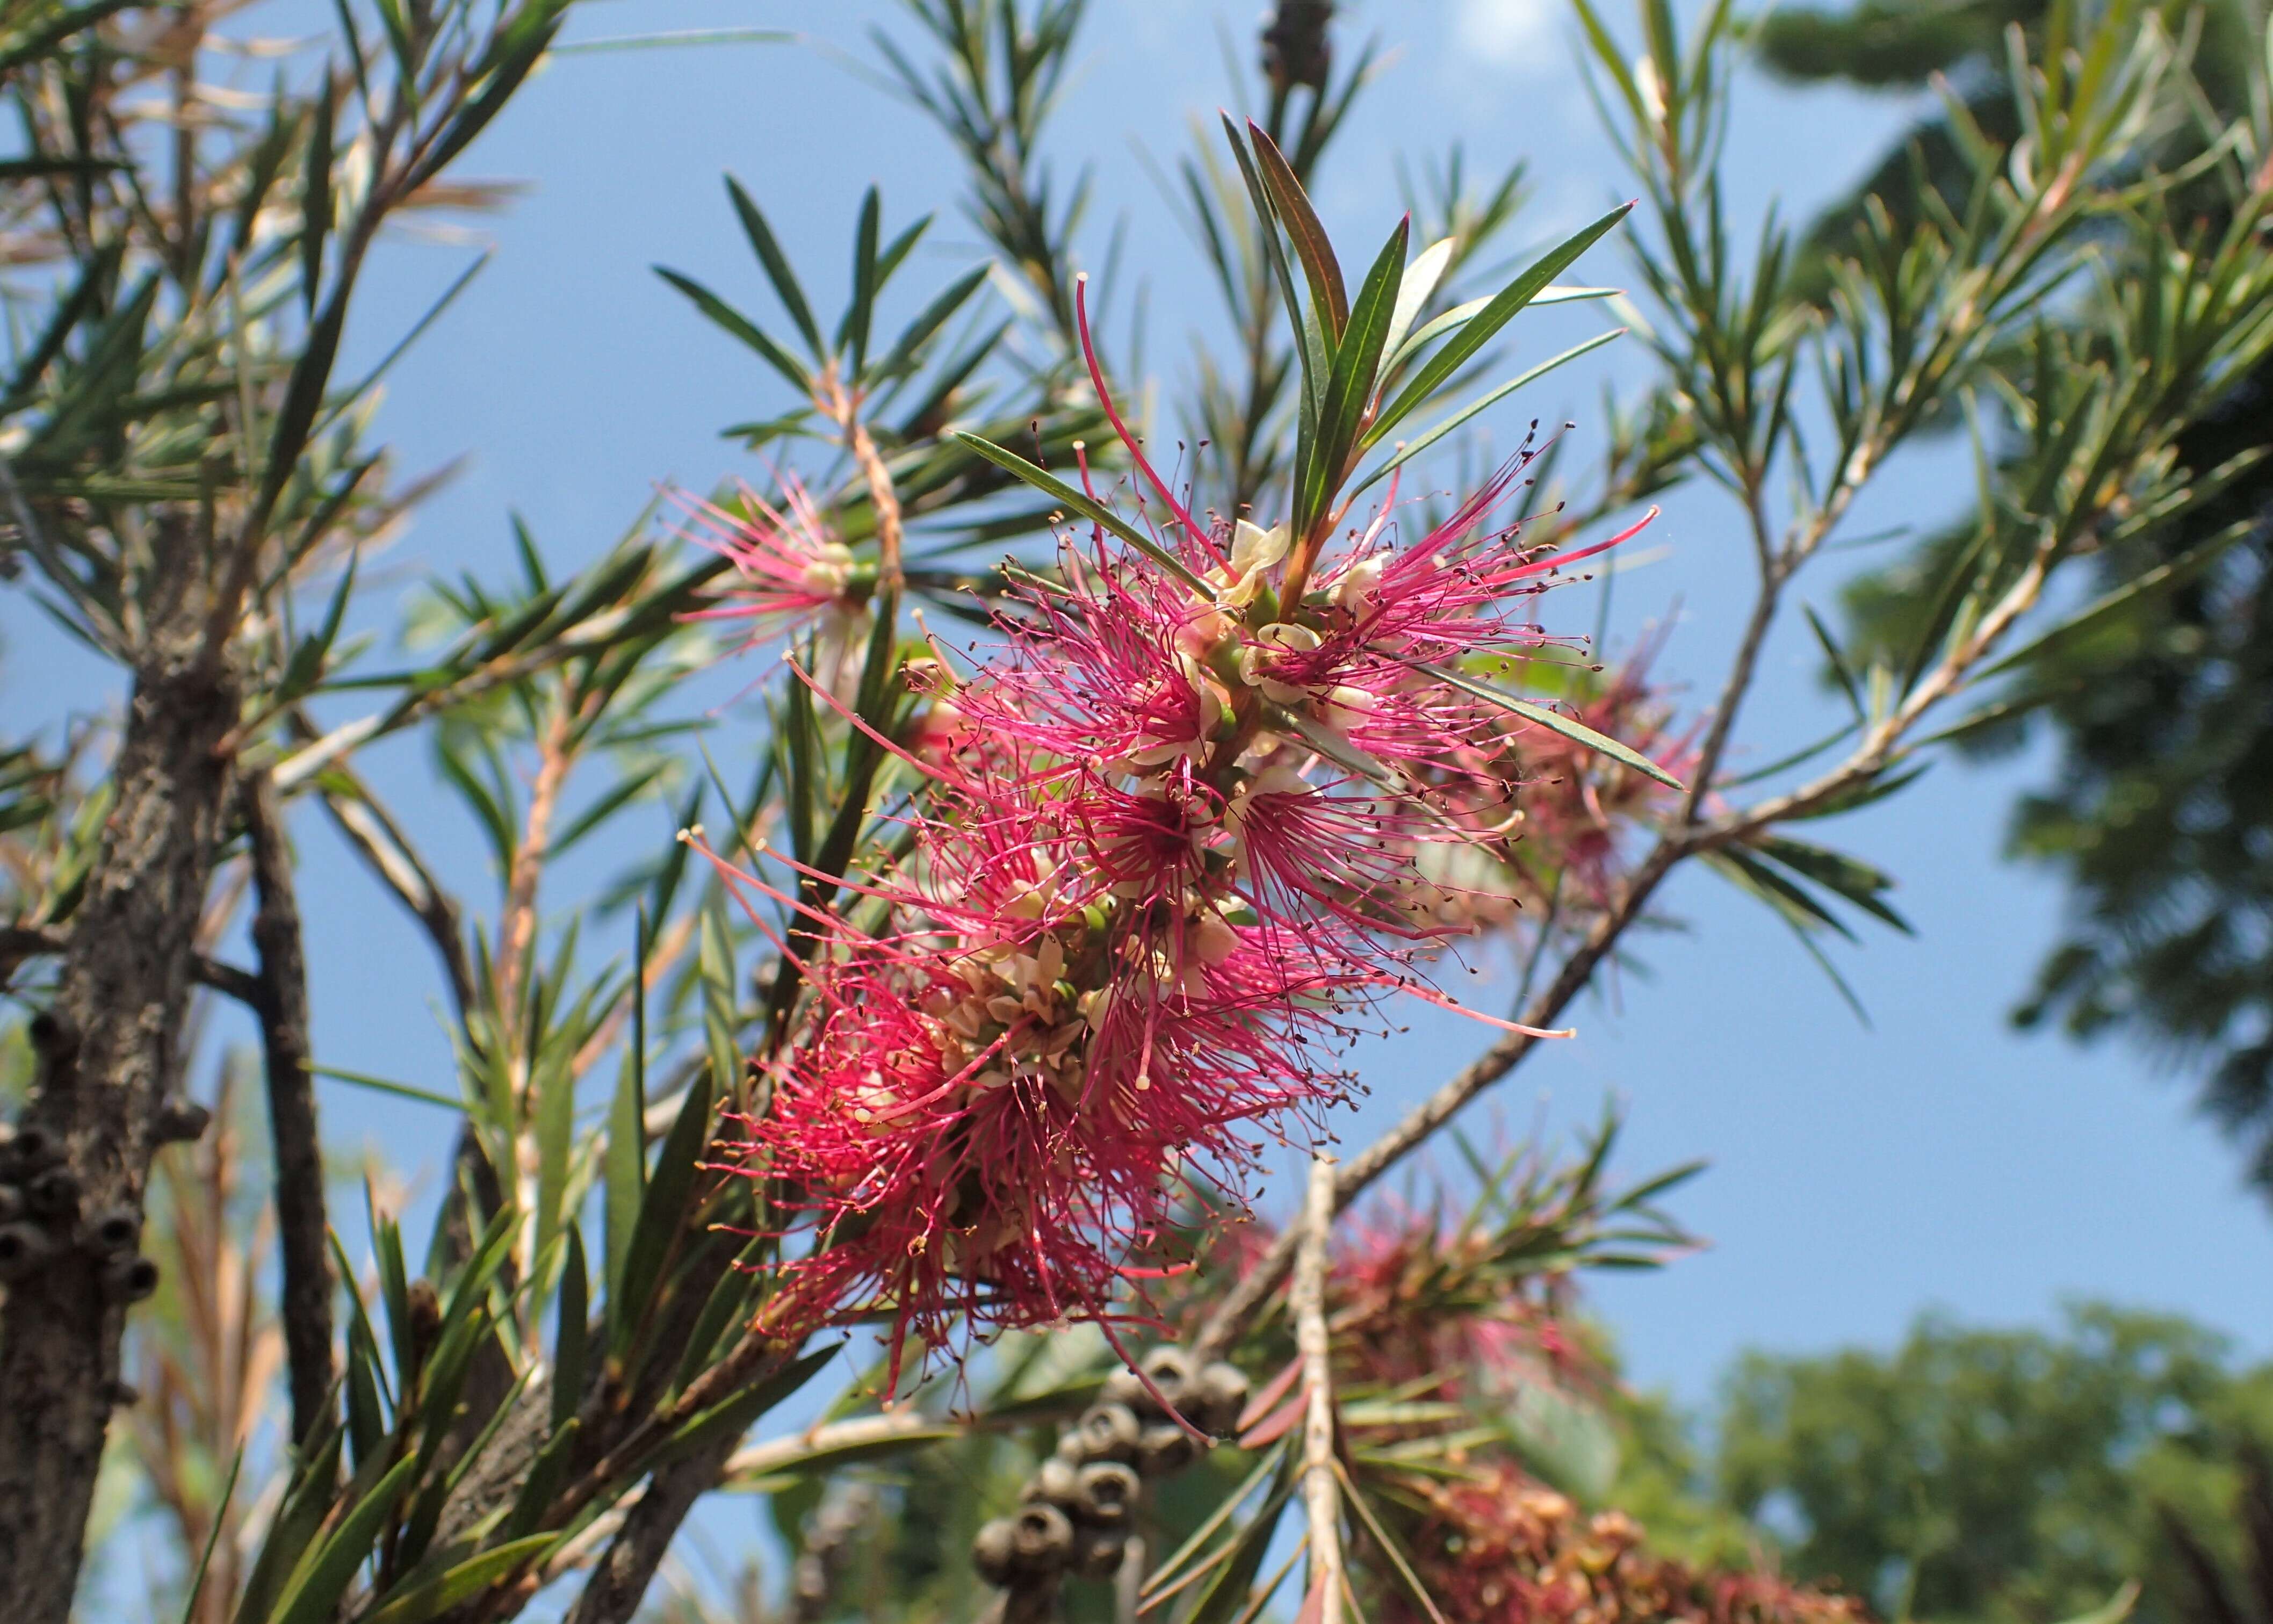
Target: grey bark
613	1591
113	1034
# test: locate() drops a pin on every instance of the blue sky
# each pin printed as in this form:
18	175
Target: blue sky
1857	1176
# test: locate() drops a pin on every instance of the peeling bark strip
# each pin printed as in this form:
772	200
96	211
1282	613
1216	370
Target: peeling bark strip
118	1011
300	1223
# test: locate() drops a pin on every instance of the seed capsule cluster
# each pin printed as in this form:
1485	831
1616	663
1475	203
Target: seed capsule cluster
1080	1505
45	1219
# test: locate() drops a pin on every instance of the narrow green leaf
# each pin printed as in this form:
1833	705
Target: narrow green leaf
366	1420
326	1574
1413	448
1799	914
1226	1594
776	265
1349	387
736	1415
934	316
1839	669
723	1307
1577	732
316	205
1096	513
741	326
516	49
1478	329
571	1332
314	1487
2163	578
1415	288
1791	899
1849	877
1266	1463
663	1209
544	1478
1312	246
381	1085
1875	788
1311	345
861	312
416	1601
212	1537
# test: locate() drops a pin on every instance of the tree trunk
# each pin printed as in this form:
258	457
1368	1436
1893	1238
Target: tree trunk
109	1049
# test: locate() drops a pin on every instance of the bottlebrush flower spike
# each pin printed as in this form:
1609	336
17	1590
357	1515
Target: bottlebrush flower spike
1167	859
791	571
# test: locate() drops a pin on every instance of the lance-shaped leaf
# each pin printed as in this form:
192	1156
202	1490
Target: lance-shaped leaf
310	1495
1413	448
2110	609
663	1208
1554	721
571	1332
1478	329
1312	246
907	347
776	265
419	1598
1349	388
741	326
733	1416
1096	513
315	1592
853	331
1311	345
1851	877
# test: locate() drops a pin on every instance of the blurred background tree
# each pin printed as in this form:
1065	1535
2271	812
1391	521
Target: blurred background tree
2159	814
1983	1476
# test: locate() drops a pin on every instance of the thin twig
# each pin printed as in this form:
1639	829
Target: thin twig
555	756
1307	1299
387	851
301	1224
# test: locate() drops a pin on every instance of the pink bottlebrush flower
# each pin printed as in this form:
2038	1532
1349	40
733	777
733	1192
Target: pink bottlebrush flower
1169	855
792	572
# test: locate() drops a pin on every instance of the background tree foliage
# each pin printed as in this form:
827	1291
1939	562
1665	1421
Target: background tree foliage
2156	816
2010	1476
